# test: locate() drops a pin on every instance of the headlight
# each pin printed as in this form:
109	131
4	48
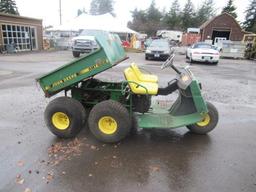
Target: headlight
185	78
148	51
166	52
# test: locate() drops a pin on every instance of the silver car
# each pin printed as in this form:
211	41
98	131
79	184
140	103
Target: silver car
158	49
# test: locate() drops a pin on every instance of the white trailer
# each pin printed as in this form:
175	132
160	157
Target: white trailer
170	35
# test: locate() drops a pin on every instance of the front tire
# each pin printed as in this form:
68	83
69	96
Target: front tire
109	121
187	57
65	117
76	54
191	60
208	123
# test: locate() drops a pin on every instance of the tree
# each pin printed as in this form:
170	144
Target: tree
8	6
172	19
230	9
99	7
153	14
205	12
154	17
81	11
188	15
148	21
139	20
250	18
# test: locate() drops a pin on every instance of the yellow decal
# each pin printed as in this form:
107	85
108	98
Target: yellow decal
99	63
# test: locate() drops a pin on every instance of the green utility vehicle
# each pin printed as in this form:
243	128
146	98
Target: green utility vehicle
111	109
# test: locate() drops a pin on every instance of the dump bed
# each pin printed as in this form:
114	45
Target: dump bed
110	53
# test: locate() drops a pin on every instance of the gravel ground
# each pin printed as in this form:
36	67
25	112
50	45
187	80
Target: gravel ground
152	160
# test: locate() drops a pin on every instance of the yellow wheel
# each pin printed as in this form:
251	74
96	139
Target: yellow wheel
65	117
208	122
60	120
109	121
205	121
107	125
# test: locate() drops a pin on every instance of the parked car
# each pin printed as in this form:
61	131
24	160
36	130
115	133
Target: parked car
203	52
158	49
83	44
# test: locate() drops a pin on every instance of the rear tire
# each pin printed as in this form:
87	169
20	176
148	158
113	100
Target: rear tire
76	54
109	121
65	117
208	124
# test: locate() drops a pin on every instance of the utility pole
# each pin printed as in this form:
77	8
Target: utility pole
60	12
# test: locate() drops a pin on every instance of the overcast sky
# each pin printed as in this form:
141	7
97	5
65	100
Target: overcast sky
48	10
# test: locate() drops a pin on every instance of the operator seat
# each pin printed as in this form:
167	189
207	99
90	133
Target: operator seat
140	83
143	76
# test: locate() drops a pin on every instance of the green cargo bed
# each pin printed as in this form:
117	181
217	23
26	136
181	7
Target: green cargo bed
109	54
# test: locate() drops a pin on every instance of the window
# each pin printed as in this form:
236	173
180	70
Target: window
23	37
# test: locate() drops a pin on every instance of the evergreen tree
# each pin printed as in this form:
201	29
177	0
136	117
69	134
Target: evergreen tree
154	17
153	14
148	21
139	20
250	19
188	15
99	7
205	12
172	19
81	11
230	9
8	6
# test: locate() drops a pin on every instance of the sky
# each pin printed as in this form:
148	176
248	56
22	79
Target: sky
48	10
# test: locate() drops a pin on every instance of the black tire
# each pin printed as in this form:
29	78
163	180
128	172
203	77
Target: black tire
118	113
215	63
146	58
187	56
76	54
214	118
190	59
134	125
141	103
73	109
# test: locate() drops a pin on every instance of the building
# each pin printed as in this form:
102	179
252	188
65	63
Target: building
224	27
23	33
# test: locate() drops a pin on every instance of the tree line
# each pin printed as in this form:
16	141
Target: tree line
175	18
152	19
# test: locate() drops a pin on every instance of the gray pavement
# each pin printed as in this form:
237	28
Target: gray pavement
152	160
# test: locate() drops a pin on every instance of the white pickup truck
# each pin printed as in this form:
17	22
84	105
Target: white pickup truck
83	44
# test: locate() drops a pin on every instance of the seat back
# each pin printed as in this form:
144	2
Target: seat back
130	75
143	76
136	70
137	86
